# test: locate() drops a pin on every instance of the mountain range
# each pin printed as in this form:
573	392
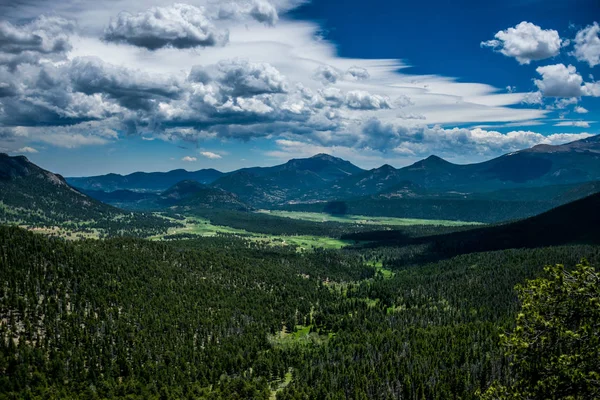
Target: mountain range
511	186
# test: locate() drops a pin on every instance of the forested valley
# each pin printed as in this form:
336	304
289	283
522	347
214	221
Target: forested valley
226	318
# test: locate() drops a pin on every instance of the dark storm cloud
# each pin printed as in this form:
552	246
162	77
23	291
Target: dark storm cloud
131	89
43	37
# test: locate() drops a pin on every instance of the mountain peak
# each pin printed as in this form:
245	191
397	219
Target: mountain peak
385	168
434	158
326	157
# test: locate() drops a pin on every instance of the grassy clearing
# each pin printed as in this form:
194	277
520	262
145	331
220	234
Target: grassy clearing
361	219
301	336
203	227
378	265
279	385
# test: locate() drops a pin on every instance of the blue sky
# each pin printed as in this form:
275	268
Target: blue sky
90	87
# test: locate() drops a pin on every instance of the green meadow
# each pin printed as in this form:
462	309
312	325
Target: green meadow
361	219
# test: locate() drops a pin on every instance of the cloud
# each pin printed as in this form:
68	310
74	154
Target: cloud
159	95
363	100
27	150
358	73
132	89
44	96
326	74
211	155
560	81
533	98
260	10
28	43
580	110
526	42
587	45
264	12
181	26
576	124
243	78
565	102
422	140
189	159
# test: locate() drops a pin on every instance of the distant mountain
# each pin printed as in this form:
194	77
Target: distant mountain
191	195
183	196
541	165
297	179
324	178
367	183
326	167
144	181
30	195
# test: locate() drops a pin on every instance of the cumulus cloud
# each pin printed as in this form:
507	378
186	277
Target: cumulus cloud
576	124
560	81
565	102
363	100
132	89
28	43
526	42
587	45
422	141
260	10
358	73
326	74
264	12
45	97
189	159
211	155
580	110
26	150
244	78
180	26
533	98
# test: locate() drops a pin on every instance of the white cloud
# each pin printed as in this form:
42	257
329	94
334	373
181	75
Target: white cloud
565	102
587	45
560	81
526	42
326	74
27	149
189	159
580	110
409	146
211	155
576	124
533	98
180	25
358	73
363	100
264	12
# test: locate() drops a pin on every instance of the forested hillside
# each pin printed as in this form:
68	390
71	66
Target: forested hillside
34	197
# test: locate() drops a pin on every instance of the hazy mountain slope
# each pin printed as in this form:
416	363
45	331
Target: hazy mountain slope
539	166
182	196
191	195
143	181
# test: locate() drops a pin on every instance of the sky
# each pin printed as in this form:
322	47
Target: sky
90	87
